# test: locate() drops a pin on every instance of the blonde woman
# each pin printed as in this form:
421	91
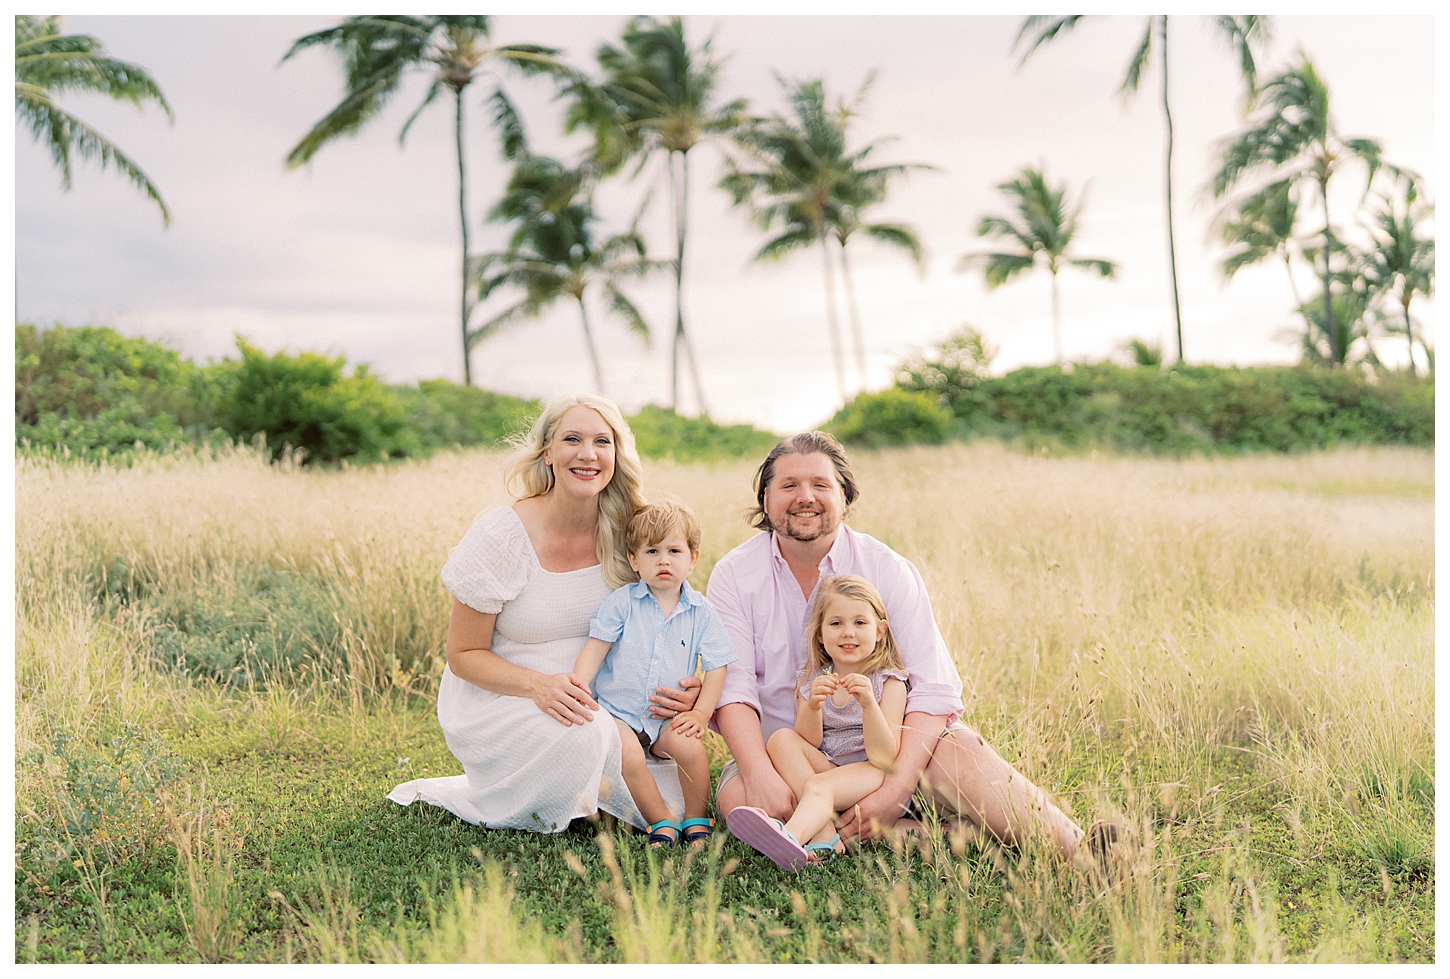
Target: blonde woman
526	579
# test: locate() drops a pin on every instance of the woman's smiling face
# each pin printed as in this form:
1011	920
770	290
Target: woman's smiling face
581	452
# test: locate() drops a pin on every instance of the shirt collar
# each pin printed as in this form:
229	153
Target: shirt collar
835	556
688	596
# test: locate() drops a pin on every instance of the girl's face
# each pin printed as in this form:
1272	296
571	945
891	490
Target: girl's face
850	630
581	453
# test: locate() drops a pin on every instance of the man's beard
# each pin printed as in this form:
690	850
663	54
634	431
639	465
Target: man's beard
825	527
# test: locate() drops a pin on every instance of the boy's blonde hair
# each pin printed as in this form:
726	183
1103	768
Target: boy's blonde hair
653	522
528	476
886	655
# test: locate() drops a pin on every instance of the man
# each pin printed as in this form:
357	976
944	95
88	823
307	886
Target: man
762	590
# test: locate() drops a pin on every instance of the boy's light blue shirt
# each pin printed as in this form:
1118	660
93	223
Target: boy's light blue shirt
652	651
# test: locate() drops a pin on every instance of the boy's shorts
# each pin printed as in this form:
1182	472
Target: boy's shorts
915	807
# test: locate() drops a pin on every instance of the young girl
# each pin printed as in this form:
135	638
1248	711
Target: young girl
849	709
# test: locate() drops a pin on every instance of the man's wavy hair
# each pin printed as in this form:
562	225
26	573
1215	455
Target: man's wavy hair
803	444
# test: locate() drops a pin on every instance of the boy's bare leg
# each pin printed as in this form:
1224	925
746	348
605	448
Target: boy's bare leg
694	764
829	792
642	788
966	774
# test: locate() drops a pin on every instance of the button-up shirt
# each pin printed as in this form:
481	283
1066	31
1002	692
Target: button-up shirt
765	613
653	651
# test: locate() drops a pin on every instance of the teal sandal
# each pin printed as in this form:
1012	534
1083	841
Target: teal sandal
700	836
658	839
825	851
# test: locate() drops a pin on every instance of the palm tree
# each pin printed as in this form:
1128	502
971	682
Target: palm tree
48	63
806	183
1243	34
1293	139
378	51
1402	263
554	253
657	95
1260	226
1045	226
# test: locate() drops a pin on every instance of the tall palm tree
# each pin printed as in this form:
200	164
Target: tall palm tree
1045	226
1243	34
658	95
1293	138
554	253
802	179
48	63
378	51
1402	262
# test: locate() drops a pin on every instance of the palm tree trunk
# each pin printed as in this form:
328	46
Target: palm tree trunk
856	335
1410	335
681	225
1294	290
463	308
831	325
1168	191
589	342
1335	355
679	283
1056	322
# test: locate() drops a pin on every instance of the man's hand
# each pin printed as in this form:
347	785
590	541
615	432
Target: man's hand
874	815
668	702
769	792
691	724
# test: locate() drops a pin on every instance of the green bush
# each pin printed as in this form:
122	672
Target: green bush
92	392
1185	409
660	433
892	417
445	414
307	402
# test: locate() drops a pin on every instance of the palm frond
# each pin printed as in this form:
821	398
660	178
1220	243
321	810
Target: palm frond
433	90
1139	62
510	125
620	305
1042	29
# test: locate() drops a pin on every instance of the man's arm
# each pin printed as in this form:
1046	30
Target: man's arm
870	818
764	788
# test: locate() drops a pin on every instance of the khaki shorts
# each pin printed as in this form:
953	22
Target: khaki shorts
914	808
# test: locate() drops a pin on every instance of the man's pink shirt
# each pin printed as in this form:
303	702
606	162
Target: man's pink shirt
765	613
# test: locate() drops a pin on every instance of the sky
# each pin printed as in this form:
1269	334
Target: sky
357	253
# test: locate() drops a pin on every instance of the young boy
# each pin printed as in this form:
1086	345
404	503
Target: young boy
649	634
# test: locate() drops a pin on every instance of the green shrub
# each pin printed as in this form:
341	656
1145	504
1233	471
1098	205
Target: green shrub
660	433
307	402
892	417
1185	409
445	414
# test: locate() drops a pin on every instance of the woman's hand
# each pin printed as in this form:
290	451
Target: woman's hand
821	688
668	702
564	698
691	724
859	687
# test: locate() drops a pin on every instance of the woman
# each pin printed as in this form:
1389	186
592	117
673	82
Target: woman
526	580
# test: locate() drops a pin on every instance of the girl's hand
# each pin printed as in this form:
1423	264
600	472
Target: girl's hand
821	688
859	687
564	698
691	724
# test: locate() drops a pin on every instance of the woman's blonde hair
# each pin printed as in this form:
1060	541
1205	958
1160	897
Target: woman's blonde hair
886	655
529	476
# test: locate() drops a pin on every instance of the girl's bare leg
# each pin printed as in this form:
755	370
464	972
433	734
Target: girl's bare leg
694	764
966	774
795	758
642	787
827	793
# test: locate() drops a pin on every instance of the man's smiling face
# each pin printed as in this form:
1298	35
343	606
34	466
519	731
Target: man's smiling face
804	500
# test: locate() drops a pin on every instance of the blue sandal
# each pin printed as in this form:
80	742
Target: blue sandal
825	851
701	836
658	839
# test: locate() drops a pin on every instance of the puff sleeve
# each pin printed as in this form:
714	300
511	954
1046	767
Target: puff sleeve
490	565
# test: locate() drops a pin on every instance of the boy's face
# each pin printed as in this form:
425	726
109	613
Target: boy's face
665	564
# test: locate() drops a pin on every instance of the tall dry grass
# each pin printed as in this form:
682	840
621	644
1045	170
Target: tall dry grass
1120	623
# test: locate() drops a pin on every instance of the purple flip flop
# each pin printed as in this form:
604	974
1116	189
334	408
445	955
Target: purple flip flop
768	836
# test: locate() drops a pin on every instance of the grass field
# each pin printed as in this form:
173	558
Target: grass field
222	667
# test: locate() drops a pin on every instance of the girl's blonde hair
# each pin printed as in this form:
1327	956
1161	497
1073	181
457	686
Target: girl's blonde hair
886	655
529	476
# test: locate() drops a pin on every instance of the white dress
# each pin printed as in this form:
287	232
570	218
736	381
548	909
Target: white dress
523	769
